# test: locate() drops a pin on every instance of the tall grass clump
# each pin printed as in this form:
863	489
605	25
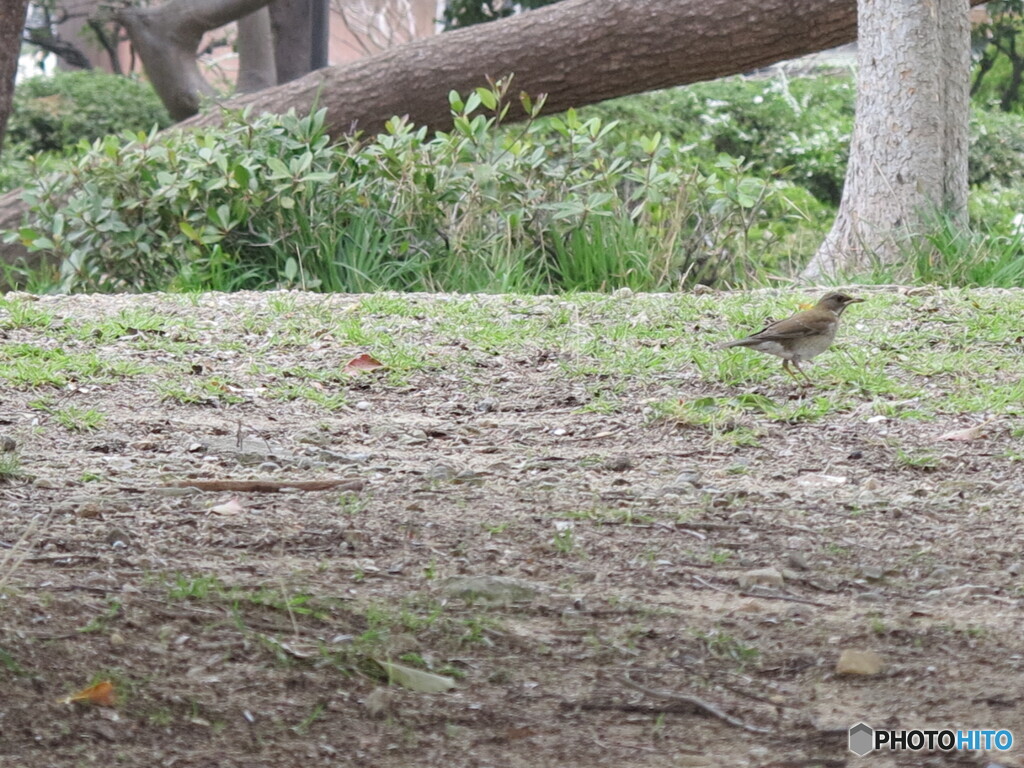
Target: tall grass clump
951	255
270	201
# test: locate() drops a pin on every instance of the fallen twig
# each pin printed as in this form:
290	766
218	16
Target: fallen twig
269	486
782	596
708	584
698	704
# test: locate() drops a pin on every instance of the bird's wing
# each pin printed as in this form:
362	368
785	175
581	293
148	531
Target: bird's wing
795	327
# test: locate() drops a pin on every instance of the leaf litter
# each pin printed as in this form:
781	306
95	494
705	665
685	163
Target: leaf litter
263	634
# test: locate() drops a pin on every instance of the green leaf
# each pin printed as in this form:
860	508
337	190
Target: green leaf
487	97
242	175
472	103
278	170
190	232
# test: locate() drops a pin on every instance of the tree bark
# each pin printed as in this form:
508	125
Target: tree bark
908	155
166	38
577	51
12	22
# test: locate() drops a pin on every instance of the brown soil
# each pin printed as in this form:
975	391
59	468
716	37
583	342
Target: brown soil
243	636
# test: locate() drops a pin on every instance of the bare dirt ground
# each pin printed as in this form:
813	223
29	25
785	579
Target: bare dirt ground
678	599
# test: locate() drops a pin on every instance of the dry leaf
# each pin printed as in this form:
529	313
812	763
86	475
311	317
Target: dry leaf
963	435
230	507
416	679
363	362
101	694
855	662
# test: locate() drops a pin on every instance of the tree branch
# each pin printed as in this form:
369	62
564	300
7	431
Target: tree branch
166	38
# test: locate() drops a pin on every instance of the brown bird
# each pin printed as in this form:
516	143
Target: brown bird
802	336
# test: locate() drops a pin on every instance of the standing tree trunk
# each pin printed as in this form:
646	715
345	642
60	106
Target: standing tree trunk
908	156
12	22
256	67
292	24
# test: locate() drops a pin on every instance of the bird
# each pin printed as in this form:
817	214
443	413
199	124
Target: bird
802	336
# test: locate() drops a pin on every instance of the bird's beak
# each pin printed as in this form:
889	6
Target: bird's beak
855	301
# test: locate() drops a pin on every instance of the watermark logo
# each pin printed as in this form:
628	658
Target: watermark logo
864	739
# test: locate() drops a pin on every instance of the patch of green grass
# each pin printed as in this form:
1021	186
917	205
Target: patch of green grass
610	515
728	414
725	646
388	305
32	367
303	727
564	541
102	623
720	556
603	402
917	459
18	313
71	417
329	401
76	419
8	662
199	391
296	603
131	321
186	587
741	437
351	503
10	466
161	717
717	413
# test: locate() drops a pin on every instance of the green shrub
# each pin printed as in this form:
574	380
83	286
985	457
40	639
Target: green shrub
996	153
268	201
997	208
794	129
798	130
54	113
999	62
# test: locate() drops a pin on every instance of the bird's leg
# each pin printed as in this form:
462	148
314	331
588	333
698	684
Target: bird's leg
785	367
801	371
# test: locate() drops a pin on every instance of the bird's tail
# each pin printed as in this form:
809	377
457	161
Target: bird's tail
736	343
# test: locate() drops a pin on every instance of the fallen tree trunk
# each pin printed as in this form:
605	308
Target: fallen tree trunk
577	51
